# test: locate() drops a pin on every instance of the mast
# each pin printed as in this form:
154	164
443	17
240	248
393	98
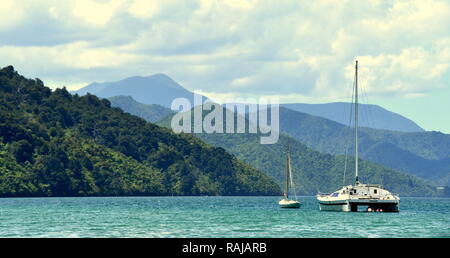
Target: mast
287	175
356	124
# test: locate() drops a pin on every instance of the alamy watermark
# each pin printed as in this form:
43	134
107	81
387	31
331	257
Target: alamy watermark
239	115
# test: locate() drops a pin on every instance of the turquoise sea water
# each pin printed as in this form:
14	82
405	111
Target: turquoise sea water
213	217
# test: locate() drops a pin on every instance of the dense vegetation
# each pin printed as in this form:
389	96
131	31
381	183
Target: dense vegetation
313	171
56	144
151	113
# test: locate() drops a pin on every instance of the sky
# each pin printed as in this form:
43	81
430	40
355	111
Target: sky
297	50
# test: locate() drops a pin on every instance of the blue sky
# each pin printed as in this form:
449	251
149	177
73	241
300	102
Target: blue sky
299	51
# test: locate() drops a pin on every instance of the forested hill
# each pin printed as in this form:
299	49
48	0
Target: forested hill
53	143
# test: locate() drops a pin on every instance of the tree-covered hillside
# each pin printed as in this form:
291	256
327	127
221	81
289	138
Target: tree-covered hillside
55	144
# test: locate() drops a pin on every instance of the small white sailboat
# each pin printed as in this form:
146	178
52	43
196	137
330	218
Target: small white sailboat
348	198
286	202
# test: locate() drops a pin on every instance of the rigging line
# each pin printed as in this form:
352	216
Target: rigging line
370	121
371	112
368	110
292	183
349	125
291	176
345	166
365	108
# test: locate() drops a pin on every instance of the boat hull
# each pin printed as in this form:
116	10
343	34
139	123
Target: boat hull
290	204
352	206
334	206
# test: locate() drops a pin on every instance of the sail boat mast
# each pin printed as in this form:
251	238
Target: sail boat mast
286	203
356	124
287	175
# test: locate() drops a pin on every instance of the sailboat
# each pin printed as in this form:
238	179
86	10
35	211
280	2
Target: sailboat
350	197
286	202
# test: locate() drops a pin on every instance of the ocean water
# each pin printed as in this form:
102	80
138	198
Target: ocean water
165	217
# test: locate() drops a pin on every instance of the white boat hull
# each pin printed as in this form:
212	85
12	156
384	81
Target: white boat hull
289	204
352	205
338	206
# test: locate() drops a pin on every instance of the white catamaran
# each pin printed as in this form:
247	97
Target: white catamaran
372	196
286	202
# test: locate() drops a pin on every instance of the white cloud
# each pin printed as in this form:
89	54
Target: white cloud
97	13
11	14
78	55
408	72
144	9
241	4
301	50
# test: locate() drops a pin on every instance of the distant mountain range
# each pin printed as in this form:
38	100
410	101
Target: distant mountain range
371	116
162	90
155	89
425	154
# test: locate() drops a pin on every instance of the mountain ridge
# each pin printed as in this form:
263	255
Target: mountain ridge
167	89
370	115
153	89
